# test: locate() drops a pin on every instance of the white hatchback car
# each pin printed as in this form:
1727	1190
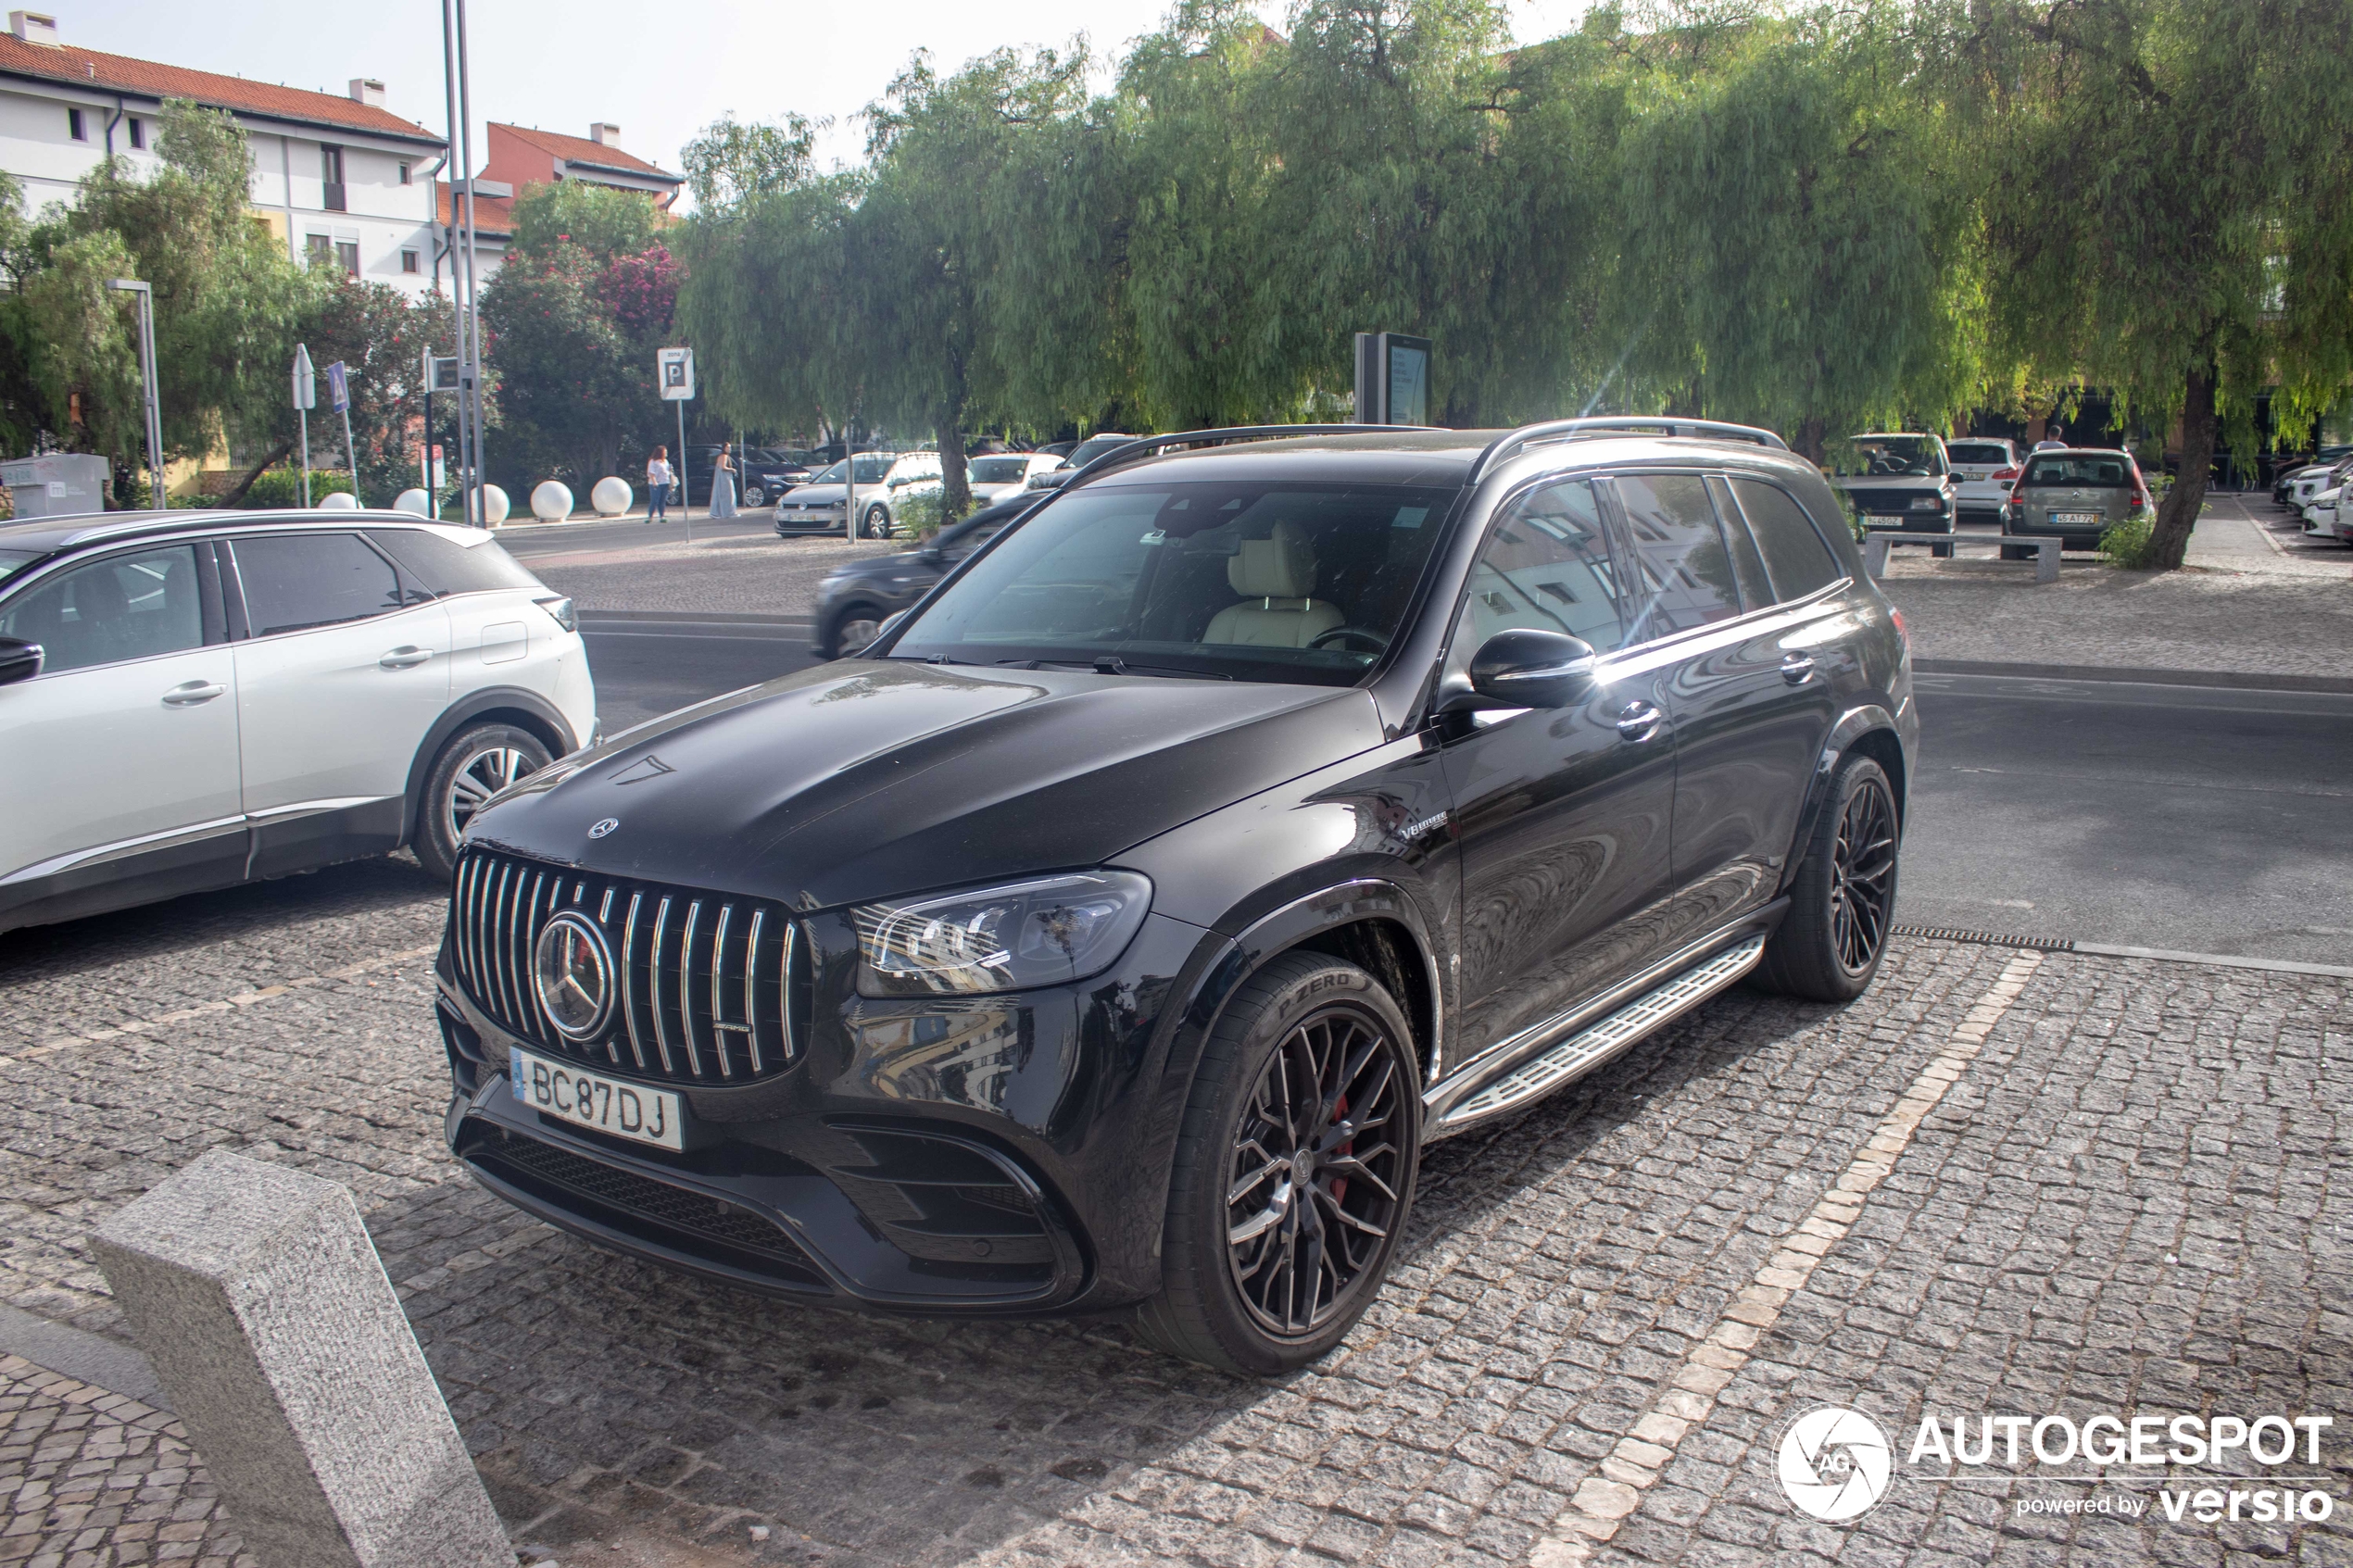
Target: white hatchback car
190	700
886	481
1984	465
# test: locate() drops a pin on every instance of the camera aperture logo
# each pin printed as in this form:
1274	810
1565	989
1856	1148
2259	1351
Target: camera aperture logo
1835	1464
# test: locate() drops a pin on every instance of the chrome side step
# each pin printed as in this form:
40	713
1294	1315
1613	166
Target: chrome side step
1590	1046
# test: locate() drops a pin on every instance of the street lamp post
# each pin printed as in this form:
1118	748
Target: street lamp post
148	380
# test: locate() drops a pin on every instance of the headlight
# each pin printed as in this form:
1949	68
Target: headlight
1047	931
1928	503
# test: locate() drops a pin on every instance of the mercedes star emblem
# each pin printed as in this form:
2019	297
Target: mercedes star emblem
604	827
572	971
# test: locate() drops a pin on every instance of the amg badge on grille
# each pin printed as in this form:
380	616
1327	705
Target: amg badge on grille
571	970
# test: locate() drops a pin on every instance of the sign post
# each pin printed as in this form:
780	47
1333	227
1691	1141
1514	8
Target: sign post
339	393
674	373
306	397
1392	379
441	375
147	379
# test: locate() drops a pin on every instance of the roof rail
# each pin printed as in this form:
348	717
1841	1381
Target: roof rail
1145	445
1569	430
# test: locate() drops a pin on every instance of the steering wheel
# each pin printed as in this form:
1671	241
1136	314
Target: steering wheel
1373	640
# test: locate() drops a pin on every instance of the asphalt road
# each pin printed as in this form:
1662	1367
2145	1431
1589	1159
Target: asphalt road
2190	819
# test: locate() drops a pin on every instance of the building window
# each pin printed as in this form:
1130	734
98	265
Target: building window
138	133
321	247
74	126
347	252
408	261
331	174
404	174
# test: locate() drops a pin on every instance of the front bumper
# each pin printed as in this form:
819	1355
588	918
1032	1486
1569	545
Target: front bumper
803	519
983	1155
1910	522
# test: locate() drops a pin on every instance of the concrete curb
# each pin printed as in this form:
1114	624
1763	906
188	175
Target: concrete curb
2230	680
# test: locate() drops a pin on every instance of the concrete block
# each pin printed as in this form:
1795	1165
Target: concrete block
255	1290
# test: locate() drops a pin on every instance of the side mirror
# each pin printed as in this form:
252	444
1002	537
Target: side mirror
20	661
1528	669
932	555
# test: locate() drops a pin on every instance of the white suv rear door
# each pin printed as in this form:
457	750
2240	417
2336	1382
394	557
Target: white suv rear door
341	676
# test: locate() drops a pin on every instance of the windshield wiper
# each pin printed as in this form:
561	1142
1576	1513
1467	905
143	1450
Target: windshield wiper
1111	664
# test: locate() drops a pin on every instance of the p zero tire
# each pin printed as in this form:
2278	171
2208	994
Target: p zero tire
1294	1170
851	628
472	765
1829	944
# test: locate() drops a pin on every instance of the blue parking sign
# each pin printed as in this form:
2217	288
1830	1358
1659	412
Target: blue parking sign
338	390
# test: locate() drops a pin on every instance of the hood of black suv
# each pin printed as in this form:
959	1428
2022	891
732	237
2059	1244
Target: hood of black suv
873	778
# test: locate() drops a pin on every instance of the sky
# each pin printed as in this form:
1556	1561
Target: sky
660	71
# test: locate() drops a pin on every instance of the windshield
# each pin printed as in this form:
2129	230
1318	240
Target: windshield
1095	446
1001	471
871	469
2096	470
1261	582
1978	452
14	561
1896	455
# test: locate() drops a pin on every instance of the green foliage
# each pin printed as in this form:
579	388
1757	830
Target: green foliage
732	163
380	335
2128	544
600	219
283	487
924	513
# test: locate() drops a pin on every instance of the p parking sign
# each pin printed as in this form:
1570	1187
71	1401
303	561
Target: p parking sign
674	370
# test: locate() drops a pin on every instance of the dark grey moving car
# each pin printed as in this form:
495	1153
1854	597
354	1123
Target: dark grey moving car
854	600
1117	931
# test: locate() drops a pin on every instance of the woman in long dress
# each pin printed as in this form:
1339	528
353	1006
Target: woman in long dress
722	485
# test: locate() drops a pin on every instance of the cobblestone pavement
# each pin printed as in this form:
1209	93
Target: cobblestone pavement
2243	605
753	575
2135	1195
89	1478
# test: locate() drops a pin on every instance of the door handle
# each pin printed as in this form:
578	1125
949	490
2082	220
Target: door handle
190	693
1797	668
407	657
1639	721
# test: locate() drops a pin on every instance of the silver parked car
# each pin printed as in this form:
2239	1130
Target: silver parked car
2077	493
192	699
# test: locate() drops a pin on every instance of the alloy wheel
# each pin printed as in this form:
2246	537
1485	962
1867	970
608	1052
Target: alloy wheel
1863	875
478	778
856	633
1313	1175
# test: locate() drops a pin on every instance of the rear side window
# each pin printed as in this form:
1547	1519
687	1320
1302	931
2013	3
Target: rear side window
443	566
1686	573
297	582
1795	555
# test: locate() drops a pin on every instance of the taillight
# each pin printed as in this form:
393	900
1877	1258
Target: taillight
2004	473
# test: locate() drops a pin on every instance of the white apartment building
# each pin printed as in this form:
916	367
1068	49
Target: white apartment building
337	179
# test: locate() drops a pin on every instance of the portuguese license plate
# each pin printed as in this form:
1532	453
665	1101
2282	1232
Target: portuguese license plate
2075	520
590	1100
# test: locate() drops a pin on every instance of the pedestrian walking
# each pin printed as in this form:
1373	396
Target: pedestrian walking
659	480
722	485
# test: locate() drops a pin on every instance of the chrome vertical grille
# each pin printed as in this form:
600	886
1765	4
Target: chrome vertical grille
715	995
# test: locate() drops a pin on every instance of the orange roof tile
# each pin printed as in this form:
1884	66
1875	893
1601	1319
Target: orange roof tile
118	74
493	215
597	154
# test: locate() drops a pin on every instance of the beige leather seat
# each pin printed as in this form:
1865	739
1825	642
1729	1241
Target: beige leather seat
1274	577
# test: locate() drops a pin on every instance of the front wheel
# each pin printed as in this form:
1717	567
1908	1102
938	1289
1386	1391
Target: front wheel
877	523
1829	945
754	496
855	626
474	764
1294	1170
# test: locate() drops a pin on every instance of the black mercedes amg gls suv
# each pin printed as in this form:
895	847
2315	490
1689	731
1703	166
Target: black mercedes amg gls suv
1117	931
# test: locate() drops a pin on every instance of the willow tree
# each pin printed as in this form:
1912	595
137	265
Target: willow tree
768	303
2171	212
1797	225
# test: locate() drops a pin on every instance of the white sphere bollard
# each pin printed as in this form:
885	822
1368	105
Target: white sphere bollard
613	496
551	501
338	501
416	503
495	504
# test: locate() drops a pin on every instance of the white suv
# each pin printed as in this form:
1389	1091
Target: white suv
188	701
1984	465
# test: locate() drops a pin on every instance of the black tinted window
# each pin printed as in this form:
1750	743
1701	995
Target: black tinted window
444	566
1545	567
297	581
1748	567
1686	572
127	607
2096	470
1794	554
